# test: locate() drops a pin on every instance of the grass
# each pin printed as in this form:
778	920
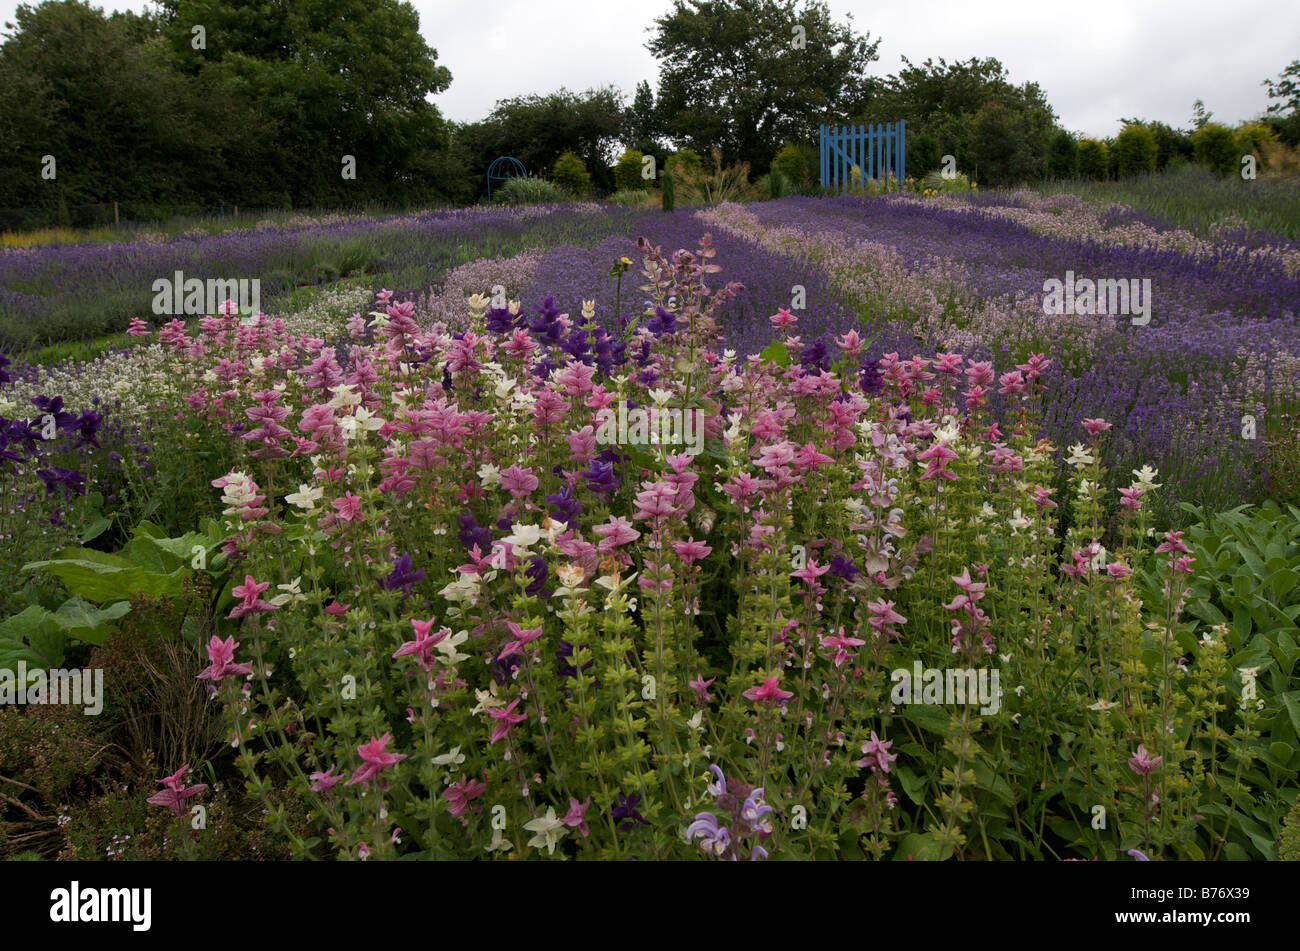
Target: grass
1198	200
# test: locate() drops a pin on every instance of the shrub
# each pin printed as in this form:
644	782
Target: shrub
1063	156
570	173
629	196
1257	139
777	186
684	160
527	190
924	155
1094	160
792	165
1216	148
669	192
1135	151
627	171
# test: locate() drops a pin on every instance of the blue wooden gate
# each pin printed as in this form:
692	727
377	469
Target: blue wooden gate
875	151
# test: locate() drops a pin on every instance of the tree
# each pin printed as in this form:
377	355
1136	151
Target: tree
1284	115
1063	156
338	77
570	173
1094	159
627	172
1135	151
793	165
745	75
1216	148
1004	148
923	155
121	123
944	100
538	129
1199	114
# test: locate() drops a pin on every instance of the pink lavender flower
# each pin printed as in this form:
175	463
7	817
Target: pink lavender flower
522	638
1173	542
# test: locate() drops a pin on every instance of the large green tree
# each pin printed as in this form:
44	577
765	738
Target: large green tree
99	94
973	110
337	77
748	75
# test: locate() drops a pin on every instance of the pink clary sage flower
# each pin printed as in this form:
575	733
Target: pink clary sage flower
1143	762
422	647
221	654
252	603
767	692
176	792
374	759
877	753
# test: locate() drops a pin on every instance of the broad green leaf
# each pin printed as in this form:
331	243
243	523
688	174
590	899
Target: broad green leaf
96	528
32	637
776	352
100	577
82	620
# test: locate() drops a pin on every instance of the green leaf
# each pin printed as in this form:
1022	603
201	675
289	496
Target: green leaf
32	637
96	528
1292	701
82	620
101	577
922	847
913	785
776	352
927	717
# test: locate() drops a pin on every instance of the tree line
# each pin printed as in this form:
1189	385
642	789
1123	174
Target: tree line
267	104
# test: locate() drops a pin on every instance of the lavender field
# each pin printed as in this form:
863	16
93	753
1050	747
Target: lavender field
386	537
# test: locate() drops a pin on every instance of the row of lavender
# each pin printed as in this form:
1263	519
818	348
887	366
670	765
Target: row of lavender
1201	387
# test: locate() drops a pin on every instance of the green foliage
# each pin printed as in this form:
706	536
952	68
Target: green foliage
1094	160
570	173
1135	151
1063	156
538	129
286	89
630	197
1256	138
744	76
777	186
526	190
923	155
1007	146
1216	148
669	193
957	104
627	171
684	160
792	164
1288	845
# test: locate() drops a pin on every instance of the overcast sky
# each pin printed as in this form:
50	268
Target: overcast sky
1097	61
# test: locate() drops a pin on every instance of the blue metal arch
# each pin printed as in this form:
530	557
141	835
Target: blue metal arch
510	164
